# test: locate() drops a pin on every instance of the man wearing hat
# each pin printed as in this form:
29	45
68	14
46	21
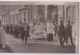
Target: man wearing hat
22	32
62	33
27	30
69	31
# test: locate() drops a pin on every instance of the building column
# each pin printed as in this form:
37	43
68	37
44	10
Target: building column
34	13
20	17
13	19
77	27
67	13
46	11
29	12
63	13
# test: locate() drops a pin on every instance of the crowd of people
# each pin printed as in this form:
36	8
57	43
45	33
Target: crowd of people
65	33
22	31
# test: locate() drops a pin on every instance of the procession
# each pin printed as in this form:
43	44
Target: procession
24	31
38	22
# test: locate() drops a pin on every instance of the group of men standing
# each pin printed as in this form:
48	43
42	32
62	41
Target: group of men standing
65	32
21	31
24	32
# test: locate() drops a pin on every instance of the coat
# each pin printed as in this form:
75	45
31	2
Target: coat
69	30
27	30
62	31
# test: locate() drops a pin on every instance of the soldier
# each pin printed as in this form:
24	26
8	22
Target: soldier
62	33
69	31
7	28
22	31
17	32
55	29
10	29
27	30
14	31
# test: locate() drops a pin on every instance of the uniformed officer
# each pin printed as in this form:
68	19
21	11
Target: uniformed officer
27	30
22	32
62	33
69	31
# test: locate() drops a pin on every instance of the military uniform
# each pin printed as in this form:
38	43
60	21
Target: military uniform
27	30
22	33
62	34
69	32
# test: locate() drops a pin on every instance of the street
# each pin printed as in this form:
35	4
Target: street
37	46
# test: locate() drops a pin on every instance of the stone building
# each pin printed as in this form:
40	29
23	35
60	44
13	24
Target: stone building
15	14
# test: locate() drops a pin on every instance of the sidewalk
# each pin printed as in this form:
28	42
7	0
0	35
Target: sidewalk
3	50
36	46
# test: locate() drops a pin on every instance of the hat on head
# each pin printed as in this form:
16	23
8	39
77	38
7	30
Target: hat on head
60	17
69	20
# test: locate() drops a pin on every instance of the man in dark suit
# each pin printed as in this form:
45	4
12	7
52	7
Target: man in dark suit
69	32
62	33
17	31
22	31
27	30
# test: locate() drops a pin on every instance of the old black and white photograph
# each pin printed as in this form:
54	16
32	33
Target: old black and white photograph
39	27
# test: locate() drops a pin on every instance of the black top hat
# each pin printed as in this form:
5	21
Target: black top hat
60	17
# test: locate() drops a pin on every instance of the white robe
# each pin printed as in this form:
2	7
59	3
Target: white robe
50	28
2	36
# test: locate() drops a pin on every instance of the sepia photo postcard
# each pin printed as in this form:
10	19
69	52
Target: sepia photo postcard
39	27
